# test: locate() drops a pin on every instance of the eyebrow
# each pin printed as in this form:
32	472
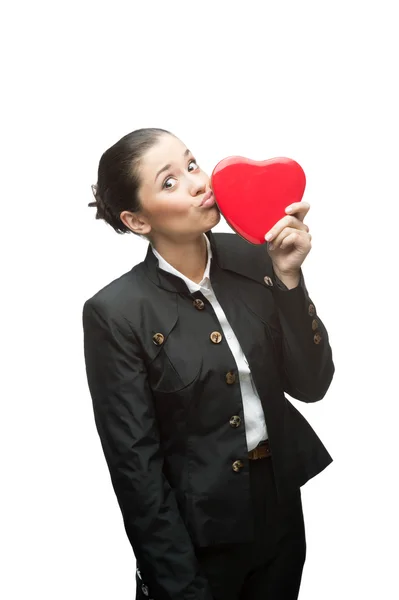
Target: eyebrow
167	167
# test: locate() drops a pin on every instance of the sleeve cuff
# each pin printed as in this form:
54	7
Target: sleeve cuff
281	286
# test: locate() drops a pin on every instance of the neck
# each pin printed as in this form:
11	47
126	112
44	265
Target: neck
188	257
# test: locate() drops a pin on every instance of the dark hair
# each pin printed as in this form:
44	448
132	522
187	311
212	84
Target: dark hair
118	180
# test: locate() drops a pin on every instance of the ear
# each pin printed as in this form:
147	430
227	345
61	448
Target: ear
135	222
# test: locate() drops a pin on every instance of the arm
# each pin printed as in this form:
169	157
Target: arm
308	366
126	424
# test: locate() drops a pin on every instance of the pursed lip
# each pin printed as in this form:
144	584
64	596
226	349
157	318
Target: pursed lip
207	196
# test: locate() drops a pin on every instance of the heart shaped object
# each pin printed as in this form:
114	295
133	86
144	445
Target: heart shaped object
253	195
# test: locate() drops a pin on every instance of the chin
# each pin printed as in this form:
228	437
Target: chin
212	219
216	217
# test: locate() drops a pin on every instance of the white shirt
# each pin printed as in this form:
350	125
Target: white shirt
255	425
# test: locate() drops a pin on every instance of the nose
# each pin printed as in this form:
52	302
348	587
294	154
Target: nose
197	185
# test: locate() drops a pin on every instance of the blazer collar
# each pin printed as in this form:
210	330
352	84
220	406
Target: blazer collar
169	281
230	252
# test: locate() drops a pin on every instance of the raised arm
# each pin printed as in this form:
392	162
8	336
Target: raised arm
308	366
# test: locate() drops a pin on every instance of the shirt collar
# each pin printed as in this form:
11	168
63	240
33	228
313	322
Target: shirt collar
192	286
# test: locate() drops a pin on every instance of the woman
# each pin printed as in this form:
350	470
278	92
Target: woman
188	356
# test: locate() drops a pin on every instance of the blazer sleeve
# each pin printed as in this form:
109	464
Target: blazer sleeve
308	366
126	423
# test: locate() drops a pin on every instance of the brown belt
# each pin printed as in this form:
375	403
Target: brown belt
261	451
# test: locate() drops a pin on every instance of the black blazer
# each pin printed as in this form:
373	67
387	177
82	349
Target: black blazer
164	397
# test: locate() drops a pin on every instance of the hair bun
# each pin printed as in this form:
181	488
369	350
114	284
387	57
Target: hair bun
103	212
94	192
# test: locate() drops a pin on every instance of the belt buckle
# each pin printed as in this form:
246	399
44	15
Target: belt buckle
256	455
261	451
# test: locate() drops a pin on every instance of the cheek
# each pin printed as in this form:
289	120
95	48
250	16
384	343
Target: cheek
174	207
165	207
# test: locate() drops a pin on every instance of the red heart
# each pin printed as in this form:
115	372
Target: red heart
252	195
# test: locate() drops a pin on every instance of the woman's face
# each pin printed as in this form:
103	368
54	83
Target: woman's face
172	189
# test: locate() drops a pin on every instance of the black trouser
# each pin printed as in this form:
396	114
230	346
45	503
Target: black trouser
270	568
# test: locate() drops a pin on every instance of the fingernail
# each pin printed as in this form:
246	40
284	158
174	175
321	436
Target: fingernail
268	236
288	209
271	246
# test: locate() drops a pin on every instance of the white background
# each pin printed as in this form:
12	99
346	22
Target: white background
314	81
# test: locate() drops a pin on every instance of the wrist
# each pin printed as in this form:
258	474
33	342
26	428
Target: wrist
290	279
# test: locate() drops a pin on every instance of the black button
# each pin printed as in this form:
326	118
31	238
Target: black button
230	377
158	339
237	465
317	338
268	281
216	337
312	310
199	304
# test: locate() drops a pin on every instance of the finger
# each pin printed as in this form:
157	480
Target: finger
287	221
300	209
297	240
295	223
291	236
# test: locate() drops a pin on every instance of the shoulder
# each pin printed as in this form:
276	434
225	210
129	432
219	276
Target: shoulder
120	294
236	254
232	244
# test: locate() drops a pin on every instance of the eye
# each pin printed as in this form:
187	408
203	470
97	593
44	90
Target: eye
168	183
193	163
